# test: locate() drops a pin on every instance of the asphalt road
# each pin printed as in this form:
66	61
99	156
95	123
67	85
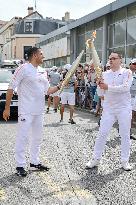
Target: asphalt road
66	149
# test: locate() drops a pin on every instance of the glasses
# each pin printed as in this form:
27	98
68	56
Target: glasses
113	58
133	63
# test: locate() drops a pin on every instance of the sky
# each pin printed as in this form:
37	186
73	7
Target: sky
50	8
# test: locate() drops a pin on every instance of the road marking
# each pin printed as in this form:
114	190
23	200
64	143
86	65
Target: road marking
65	193
75	193
2	194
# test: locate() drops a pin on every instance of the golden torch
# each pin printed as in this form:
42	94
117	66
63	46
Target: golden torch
71	71
96	62
95	57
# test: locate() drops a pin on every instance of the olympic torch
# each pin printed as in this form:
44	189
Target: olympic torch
95	57
71	71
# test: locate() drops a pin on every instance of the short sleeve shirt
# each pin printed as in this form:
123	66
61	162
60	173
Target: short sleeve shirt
54	78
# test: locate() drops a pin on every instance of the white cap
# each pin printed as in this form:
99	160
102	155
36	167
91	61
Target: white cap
133	60
107	64
67	67
54	68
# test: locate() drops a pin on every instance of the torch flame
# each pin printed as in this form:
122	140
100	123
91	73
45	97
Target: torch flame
94	34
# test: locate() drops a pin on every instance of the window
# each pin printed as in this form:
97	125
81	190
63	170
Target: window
99	39
120	33
28	27
118	15
60	61
132	11
81	43
81	30
90	26
111	35
81	46
131	31
131	53
25	51
98	23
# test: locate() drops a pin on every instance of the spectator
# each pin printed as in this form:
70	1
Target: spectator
92	80
68	95
54	79
133	93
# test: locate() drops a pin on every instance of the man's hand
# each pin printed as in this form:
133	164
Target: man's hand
6	114
60	84
99	80
103	86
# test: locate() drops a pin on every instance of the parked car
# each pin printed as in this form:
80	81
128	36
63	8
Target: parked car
5	78
9	65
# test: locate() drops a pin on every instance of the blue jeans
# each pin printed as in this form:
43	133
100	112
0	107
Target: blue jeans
93	90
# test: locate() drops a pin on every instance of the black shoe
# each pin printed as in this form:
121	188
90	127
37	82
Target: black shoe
21	172
39	167
132	137
55	110
71	121
99	122
47	110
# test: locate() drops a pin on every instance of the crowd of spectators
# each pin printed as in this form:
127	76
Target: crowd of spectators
86	96
86	91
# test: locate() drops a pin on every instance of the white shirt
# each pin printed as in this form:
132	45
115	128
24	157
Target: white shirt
93	77
118	94
31	87
54	78
133	86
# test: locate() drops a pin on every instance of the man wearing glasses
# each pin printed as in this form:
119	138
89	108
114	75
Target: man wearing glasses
115	86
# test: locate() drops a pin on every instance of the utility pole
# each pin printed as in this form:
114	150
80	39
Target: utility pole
35	5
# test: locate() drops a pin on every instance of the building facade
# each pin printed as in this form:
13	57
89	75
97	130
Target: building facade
6	32
115	25
19	34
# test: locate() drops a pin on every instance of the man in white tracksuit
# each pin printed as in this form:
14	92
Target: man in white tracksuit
115	86
31	87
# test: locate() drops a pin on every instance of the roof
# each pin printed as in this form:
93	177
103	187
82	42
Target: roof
3	22
87	18
35	12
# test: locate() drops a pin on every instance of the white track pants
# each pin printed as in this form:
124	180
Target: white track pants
25	124
124	120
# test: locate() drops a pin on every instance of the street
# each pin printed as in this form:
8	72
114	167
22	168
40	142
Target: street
66	149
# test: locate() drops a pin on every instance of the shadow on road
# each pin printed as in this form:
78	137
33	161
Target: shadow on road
56	124
94	181
12	120
10	180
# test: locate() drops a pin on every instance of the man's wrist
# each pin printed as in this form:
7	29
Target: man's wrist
7	107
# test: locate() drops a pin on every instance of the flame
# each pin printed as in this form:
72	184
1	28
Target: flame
94	34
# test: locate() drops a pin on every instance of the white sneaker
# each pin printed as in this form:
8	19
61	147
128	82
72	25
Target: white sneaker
126	166
92	163
92	111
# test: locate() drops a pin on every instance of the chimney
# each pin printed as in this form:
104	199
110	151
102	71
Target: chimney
63	19
67	16
30	10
